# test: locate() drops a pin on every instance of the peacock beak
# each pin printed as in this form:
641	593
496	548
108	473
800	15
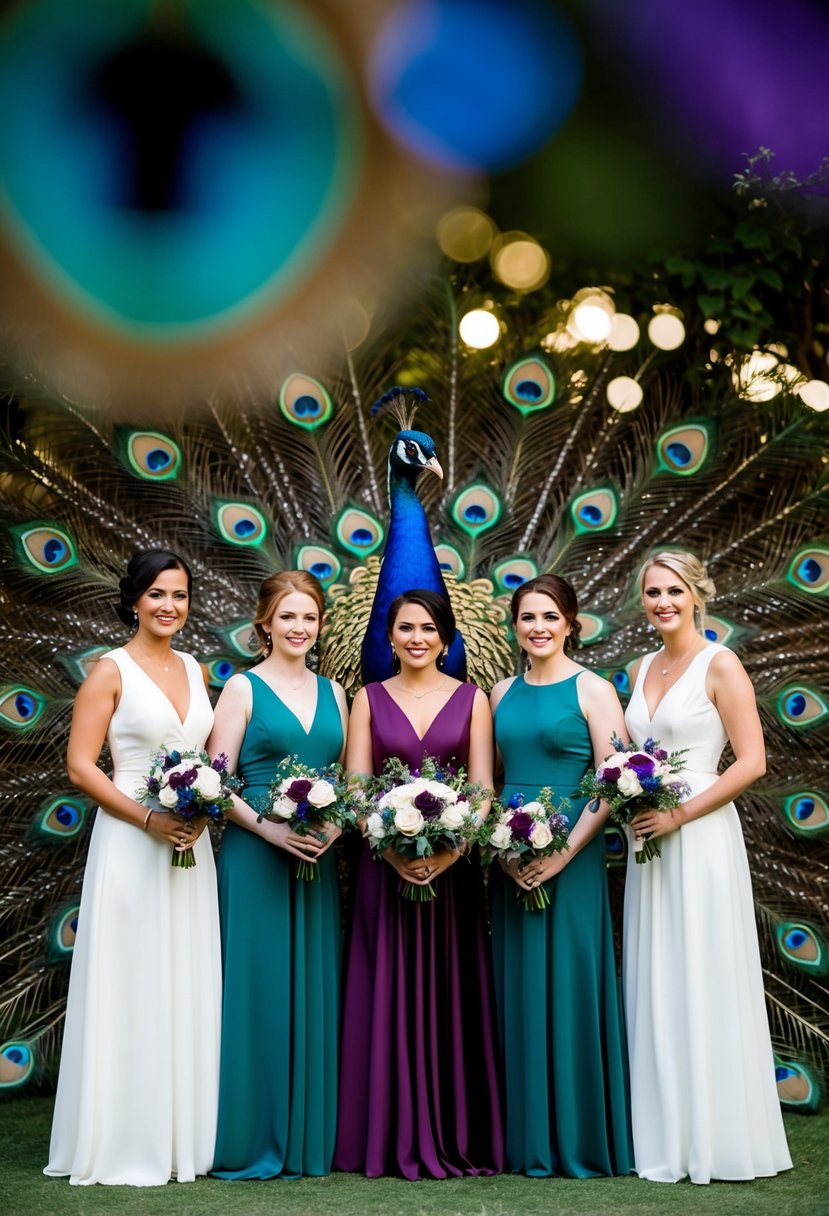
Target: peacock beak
433	466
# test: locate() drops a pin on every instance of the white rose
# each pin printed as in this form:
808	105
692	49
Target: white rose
409	821
501	836
533	808
284	807
398	799
451	817
208	783
168	797
540	836
375	826
628	783
322	793
439	790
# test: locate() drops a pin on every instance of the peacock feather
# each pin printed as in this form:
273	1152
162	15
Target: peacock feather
540	473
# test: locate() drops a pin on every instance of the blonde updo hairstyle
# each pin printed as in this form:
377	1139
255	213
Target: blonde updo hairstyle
274	588
690	570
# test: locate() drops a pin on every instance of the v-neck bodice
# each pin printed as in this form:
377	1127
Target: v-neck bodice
392	733
274	732
684	718
146	718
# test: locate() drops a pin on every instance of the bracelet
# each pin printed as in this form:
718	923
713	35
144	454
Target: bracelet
147	818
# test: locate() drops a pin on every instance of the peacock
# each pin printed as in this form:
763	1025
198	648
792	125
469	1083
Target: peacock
540	472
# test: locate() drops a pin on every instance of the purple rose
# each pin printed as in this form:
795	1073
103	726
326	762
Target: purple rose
611	774
521	825
429	805
660	754
642	764
180	781
298	789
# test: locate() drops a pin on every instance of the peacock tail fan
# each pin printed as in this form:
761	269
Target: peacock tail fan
540	473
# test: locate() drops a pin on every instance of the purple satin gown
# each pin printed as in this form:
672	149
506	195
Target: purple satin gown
420	1092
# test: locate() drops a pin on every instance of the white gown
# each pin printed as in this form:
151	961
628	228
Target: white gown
138	1086
703	1094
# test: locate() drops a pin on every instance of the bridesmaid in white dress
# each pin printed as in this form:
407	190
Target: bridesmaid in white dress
703	1095
138	1085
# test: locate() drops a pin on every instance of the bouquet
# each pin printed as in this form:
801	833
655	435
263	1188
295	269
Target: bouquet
634	779
306	799
187	783
416	811
526	830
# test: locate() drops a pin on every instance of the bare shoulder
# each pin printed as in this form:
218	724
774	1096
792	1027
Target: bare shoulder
104	677
237	691
594	686
726	674
499	690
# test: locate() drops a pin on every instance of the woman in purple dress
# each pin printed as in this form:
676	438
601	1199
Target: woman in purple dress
420	1094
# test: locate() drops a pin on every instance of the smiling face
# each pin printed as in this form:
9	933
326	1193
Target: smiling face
294	625
540	625
668	600
162	609
415	637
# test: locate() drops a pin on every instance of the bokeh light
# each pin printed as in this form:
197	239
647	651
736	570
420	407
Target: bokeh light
752	379
520	262
815	394
624	332
479	329
624	394
591	316
465	234
666	331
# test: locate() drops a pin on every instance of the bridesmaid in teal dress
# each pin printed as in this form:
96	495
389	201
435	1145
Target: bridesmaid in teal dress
565	1062
280	935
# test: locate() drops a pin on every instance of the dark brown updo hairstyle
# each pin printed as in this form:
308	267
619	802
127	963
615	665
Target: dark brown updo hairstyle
143	569
274	588
562	594
438	607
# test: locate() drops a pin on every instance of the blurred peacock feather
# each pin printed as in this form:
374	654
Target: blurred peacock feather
539	473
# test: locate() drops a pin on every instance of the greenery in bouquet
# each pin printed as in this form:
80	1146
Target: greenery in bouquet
526	830
188	784
307	799
417	811
633	779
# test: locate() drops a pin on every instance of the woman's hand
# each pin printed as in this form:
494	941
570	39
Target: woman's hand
182	834
326	834
651	823
421	870
542	869
306	848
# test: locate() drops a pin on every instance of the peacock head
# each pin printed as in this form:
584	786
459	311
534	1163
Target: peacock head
411	453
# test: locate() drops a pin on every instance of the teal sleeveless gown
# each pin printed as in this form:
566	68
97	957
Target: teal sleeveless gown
281	956
557	993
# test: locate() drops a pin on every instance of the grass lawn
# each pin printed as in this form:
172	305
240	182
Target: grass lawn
24	1138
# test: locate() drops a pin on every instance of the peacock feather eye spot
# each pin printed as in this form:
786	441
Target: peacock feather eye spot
358	532
800	706
20	707
62	932
711	634
476	508
529	385
782	1071
45	546
16	1064
240	523
149	455
807	812
59	820
809	569
320	561
684	449
615	846
796	1088
305	402
621	681
595	510
801	944
449	559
